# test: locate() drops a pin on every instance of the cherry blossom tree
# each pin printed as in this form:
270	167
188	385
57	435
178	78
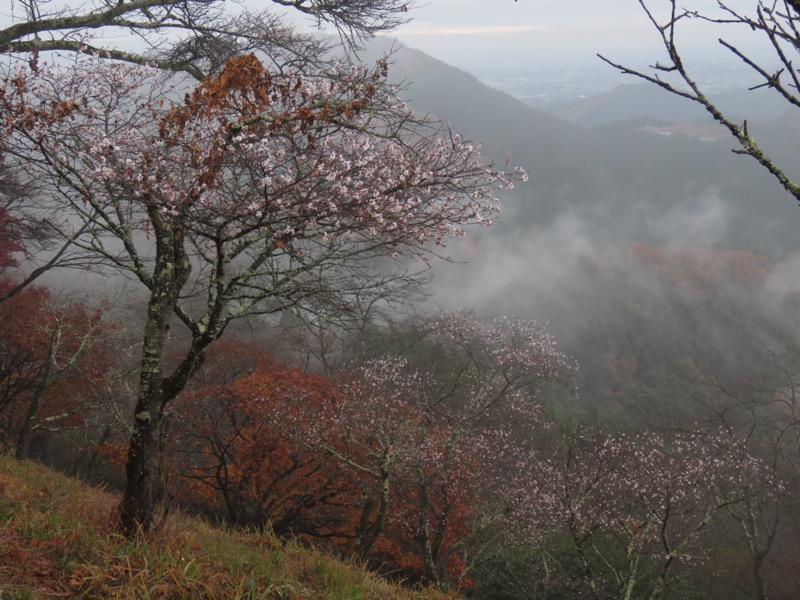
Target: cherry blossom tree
374	430
761	410
441	432
636	509
192	37
481	406
257	192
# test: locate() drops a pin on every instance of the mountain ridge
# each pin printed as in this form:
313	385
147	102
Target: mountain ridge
622	182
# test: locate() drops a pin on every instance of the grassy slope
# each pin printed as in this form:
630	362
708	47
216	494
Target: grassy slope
56	541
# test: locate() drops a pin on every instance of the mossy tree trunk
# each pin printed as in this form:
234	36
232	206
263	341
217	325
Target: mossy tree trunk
170	273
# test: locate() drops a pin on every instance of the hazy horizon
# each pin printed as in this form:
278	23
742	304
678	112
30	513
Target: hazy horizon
471	34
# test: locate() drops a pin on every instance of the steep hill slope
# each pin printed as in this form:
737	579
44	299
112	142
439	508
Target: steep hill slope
621	183
56	540
562	250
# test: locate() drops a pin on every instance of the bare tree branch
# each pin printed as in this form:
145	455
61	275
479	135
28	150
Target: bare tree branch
779	27
202	34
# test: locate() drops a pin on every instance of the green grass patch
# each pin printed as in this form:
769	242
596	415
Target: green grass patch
57	540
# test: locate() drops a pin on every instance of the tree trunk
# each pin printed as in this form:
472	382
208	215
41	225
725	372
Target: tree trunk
170	273
429	570
139	500
143	488
26	431
368	534
140	497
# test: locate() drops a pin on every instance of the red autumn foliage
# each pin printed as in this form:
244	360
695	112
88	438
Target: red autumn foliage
21	344
699	271
409	468
248	456
347	463
53	361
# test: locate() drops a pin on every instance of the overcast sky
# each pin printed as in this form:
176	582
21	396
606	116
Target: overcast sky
467	32
481	35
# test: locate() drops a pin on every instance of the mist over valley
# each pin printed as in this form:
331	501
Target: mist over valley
521	328
573	247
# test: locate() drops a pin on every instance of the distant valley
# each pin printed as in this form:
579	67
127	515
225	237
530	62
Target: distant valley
616	179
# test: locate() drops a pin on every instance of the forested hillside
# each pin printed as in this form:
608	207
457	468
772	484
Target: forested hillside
619	182
427	328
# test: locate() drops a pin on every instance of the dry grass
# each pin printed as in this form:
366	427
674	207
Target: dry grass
57	541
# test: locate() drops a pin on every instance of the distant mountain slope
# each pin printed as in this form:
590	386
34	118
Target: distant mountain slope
644	101
538	142
619	182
